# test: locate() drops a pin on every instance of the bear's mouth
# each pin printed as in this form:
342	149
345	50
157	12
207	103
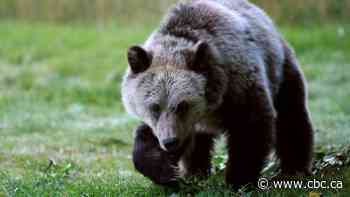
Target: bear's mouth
180	151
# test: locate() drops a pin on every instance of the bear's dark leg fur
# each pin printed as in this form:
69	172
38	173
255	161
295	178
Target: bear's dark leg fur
250	137
294	128
151	161
198	161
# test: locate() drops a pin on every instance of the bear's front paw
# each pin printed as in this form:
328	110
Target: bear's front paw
151	161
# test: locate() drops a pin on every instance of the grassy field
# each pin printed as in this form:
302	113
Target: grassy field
63	130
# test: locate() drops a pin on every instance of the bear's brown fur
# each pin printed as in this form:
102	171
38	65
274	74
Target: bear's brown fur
219	66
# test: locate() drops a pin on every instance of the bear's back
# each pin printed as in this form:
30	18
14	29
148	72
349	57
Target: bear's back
242	33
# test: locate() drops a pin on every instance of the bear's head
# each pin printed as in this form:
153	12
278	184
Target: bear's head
166	86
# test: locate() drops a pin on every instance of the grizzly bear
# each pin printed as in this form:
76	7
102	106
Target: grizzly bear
220	67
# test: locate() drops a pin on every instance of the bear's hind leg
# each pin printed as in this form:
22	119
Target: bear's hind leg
294	128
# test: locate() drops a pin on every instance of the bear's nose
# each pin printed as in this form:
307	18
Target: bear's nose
171	144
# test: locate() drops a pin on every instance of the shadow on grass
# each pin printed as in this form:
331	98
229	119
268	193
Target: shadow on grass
109	143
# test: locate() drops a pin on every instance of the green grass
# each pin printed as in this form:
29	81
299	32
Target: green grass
60	104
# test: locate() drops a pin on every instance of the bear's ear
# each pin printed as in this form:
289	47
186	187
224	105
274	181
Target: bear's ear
139	59
202	55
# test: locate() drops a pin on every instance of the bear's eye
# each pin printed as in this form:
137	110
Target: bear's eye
155	110
182	108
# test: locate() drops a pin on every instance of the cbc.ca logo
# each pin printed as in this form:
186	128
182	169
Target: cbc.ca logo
266	184
263	184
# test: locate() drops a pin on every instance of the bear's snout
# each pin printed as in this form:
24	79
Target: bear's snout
171	144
